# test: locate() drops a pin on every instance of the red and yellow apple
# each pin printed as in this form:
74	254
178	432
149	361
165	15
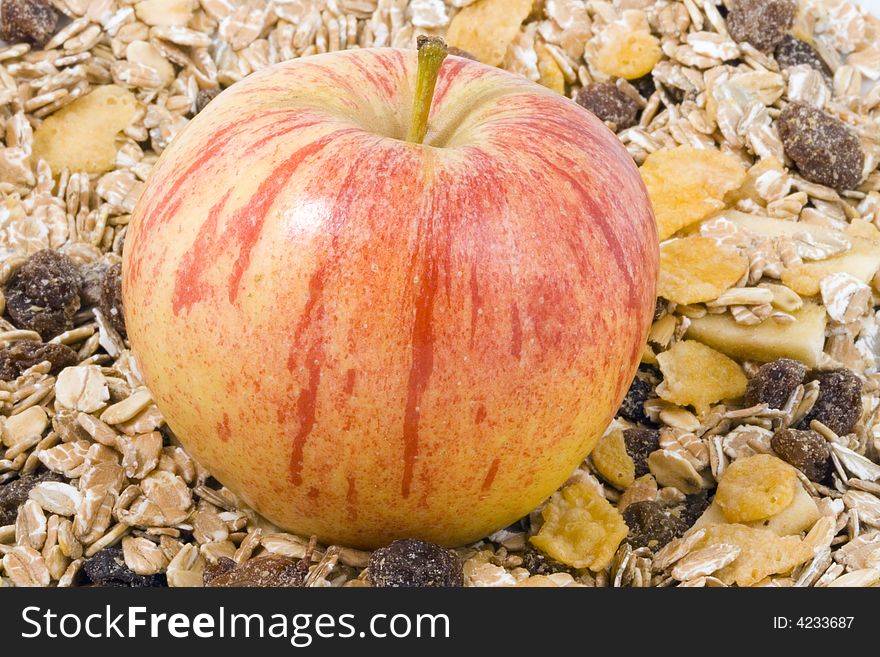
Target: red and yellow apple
369	338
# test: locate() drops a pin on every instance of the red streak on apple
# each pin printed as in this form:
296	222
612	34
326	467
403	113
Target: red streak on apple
481	414
223	429
350	378
306	399
189	287
490	476
420	370
345	328
476	301
515	332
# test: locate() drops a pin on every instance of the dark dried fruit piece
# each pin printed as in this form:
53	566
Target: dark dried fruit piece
693	507
659	309
19	356
609	103
632	407
652	525
645	85
33	21
205	96
271	571
43	294
839	405
805	450
413	563
774	382
791	51
640	443
538	563
92	283
824	149
222	566
15	493
111	299
107	568
762	23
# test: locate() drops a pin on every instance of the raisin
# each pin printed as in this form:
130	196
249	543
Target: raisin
19	356
652	525
659	309
271	571
805	450
33	21
111	299
839	405
676	95
774	382
458	52
538	563
791	51
205	96
609	103
92	283
645	85
43	294
640	443
824	149
15	493
107	568
222	566
413	563
632	407
693	507
762	23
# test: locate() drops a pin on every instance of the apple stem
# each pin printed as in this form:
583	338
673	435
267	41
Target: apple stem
432	52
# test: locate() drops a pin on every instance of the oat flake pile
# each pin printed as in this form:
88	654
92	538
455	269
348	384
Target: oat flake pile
755	125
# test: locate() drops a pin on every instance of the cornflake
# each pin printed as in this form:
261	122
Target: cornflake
627	49
551	75
581	529
697	375
82	135
762	553
487	27
611	460
697	269
687	184
755	488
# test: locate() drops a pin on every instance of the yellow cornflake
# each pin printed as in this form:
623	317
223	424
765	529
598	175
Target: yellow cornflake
551	74
82	135
697	375
627	53
611	460
487	27
581	529
755	488
697	269
687	184
762	553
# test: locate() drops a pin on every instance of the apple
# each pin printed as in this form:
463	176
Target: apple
371	325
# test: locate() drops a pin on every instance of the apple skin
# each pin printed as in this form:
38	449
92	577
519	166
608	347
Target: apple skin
368	339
